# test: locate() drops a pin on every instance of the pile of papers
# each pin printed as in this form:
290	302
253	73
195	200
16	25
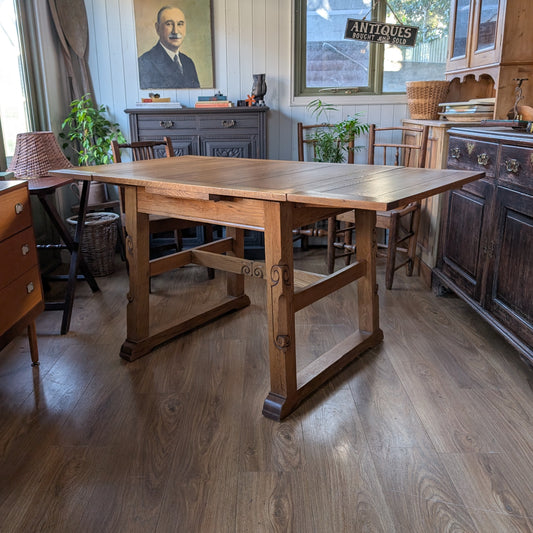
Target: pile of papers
471	111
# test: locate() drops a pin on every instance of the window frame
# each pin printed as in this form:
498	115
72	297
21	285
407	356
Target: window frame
301	95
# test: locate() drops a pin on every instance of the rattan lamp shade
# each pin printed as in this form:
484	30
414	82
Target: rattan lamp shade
36	153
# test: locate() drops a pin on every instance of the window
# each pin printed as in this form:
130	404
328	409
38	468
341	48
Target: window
13	110
326	63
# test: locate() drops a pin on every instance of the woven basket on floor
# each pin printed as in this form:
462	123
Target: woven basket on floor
424	97
99	241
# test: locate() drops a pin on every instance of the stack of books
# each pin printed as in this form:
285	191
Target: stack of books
471	111
218	100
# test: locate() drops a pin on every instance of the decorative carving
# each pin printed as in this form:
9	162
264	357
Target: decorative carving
455	153
282	342
470	148
280	273
228	152
254	270
129	245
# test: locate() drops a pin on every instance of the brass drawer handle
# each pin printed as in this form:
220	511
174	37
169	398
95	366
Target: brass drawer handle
483	159
19	208
229	123
455	153
29	287
512	165
166	124
25	249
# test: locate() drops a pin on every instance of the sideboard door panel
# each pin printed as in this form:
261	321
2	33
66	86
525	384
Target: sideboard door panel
511	291
243	148
465	237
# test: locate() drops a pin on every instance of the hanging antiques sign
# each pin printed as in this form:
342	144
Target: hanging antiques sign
380	32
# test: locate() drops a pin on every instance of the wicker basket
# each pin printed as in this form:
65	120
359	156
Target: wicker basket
424	97
99	241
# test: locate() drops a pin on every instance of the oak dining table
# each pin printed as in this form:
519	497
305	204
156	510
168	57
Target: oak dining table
273	197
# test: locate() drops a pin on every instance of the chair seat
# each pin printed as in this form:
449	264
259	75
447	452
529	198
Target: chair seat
402	222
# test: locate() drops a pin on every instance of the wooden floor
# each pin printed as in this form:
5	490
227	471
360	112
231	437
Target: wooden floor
429	432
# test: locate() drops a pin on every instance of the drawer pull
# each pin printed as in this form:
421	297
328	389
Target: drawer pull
512	165
455	153
29	287
166	124
19	208
25	249
483	159
229	123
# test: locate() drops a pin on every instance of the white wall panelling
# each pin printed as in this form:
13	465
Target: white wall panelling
249	37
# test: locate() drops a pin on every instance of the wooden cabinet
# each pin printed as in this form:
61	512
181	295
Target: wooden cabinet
490	43
485	250
437	155
219	132
20	280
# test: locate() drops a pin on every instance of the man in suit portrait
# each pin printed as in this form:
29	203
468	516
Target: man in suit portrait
164	66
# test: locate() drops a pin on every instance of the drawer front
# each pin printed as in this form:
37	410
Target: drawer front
23	295
15	212
161	125
516	166
228	122
18	255
470	154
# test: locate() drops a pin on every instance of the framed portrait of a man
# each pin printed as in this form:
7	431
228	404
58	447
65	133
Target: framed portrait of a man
174	44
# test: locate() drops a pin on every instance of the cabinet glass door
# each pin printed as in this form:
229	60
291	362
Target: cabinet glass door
488	22
462	18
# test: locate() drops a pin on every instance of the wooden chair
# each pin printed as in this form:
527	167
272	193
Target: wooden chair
402	223
305	139
142	150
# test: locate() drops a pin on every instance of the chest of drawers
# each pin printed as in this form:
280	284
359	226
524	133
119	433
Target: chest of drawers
21	295
486	239
218	132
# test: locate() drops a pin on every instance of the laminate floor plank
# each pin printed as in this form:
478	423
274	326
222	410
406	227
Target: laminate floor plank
429	432
419	491
497	485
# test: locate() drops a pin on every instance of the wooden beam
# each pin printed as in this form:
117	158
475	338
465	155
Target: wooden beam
329	284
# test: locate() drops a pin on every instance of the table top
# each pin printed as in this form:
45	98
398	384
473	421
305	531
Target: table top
373	187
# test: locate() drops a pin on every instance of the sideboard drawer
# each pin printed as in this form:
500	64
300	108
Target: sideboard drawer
516	166
161	125
23	295
18	250
229	122
15	212
471	154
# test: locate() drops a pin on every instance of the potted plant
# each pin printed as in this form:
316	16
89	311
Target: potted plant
332	142
90	133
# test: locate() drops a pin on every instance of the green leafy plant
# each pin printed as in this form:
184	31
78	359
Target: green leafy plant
332	142
90	133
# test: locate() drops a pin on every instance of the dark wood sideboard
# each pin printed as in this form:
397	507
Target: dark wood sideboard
220	132
485	252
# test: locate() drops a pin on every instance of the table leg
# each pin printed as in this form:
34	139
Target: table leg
235	282
138	256
367	288
282	397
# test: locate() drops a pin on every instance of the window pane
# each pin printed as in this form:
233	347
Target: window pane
427	59
12	100
487	24
462	14
331	60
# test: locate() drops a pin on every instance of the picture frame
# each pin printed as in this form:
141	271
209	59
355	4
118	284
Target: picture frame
158	42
